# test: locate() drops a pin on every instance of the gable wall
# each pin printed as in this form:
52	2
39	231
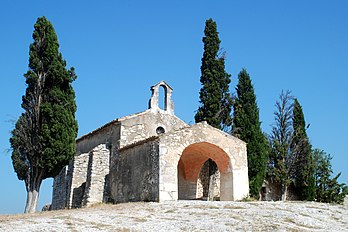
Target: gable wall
143	126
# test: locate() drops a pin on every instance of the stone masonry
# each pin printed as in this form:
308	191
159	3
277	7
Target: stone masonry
152	156
77	183
59	197
98	169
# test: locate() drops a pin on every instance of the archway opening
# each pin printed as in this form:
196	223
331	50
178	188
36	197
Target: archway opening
162	98
197	161
208	181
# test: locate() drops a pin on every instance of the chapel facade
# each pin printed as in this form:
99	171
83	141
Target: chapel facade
152	156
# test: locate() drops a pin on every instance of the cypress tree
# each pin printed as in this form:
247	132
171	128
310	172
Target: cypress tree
301	150
214	95
247	126
281	162
327	189
43	140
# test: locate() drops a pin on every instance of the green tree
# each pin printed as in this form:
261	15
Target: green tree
327	189
215	98
301	151
281	163
247	126
43	140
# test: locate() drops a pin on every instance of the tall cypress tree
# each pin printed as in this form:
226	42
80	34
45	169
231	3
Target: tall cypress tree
247	126
214	95
281	162
301	150
43	140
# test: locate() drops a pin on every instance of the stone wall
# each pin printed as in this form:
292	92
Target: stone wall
98	169
115	135
60	189
147	170
272	191
188	188
145	125
78	181
134	173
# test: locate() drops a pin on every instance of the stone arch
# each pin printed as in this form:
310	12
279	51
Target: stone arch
228	152
189	166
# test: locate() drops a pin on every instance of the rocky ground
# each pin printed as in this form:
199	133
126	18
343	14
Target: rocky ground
187	216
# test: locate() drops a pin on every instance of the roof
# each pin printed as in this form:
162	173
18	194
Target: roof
162	83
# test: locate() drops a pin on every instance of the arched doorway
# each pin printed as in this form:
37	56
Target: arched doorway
190	166
208	181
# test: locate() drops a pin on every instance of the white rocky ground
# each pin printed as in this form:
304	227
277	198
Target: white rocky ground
187	216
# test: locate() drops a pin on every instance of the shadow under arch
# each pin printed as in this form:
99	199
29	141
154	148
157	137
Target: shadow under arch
190	164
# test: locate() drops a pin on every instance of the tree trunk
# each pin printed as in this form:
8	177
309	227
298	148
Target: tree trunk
284	192
33	188
32	200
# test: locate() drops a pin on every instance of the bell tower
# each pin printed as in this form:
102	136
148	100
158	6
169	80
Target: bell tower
168	102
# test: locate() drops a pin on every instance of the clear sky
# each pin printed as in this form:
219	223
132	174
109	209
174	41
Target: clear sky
120	48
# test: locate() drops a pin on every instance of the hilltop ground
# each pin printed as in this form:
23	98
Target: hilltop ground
187	216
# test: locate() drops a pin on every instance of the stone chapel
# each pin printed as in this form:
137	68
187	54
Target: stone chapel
151	156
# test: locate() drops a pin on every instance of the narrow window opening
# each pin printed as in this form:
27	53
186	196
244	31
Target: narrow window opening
162	98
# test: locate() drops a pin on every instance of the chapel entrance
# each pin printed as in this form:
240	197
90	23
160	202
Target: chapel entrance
204	173
208	182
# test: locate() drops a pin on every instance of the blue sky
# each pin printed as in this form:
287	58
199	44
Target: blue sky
120	48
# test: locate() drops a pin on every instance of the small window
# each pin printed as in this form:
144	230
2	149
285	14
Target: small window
160	130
